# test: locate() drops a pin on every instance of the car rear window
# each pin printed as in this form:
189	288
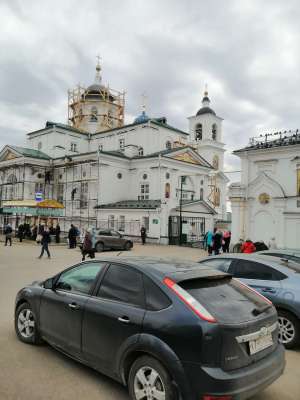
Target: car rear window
226	299
155	298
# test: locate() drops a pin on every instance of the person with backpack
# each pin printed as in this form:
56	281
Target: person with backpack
46	239
217	241
8	234
248	247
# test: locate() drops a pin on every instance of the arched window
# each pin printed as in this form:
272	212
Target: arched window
94	113
168	145
201	193
167	190
216	162
141	151
198	132
214	131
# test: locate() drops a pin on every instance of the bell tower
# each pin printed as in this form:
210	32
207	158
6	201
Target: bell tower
205	129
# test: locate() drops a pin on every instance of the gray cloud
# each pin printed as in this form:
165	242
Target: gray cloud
246	51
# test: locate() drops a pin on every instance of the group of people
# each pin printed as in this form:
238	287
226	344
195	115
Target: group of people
216	241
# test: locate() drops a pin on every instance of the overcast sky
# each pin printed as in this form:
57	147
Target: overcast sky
247	51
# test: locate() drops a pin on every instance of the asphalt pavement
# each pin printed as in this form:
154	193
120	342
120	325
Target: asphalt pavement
40	372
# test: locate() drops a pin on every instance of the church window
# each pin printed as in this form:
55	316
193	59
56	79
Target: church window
119	175
122	144
100	147
216	162
201	193
145	176
111	222
60	192
84	188
73	147
168	145
214	131
122	223
167	175
94	113
201	182
141	151
167	190
39	145
198	132
144	191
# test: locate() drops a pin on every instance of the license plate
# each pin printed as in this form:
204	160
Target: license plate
260	344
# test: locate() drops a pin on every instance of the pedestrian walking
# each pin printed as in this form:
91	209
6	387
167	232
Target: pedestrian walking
217	241
8	234
21	232
72	237
57	233
209	242
226	241
143	235
248	247
87	246
45	242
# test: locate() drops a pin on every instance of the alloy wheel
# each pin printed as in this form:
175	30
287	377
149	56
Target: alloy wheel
287	330
148	385
26	323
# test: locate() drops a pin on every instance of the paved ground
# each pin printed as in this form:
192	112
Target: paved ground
41	373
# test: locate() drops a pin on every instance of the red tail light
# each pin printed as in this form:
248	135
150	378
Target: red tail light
190	301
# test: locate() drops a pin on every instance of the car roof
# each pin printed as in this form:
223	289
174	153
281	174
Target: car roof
281	251
271	261
176	269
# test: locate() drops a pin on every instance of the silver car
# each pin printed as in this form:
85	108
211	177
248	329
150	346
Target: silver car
276	279
113	240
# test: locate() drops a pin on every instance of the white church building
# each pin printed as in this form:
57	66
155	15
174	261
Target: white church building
108	174
266	203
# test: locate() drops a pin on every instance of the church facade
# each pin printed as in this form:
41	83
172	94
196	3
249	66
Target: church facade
266	203
113	175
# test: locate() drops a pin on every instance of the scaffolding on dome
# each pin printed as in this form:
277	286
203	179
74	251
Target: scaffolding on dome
105	95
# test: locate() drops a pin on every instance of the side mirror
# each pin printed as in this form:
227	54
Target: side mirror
49	284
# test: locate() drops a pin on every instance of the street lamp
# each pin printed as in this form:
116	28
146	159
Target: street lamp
182	181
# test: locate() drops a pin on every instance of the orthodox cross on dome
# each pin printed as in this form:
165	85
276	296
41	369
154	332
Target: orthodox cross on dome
144	98
98	77
205	100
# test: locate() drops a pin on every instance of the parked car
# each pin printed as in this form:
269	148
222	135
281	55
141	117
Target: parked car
276	279
113	240
285	254
165	329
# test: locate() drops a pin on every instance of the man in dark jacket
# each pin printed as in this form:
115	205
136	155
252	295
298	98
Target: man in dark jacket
217	241
21	231
8	234
57	233
143	234
72	237
45	242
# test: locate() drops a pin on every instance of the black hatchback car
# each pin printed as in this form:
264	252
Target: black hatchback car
168	330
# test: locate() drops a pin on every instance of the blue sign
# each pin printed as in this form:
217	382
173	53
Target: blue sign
38	196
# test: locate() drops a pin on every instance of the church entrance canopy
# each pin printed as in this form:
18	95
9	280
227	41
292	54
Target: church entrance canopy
45	208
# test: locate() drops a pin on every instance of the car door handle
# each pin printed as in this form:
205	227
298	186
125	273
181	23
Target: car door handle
124	320
74	306
268	290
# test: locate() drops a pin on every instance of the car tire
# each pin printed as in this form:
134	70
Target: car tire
289	329
26	325
127	246
139	380
99	247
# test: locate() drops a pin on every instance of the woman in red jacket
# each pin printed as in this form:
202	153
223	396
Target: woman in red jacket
248	247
